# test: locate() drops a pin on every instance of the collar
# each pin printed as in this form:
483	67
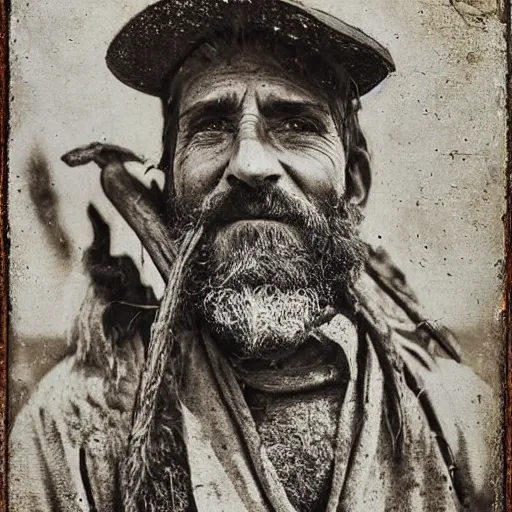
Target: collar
338	338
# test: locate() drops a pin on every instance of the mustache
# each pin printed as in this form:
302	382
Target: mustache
266	201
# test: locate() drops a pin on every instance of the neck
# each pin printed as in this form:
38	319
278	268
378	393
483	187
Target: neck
312	366
298	425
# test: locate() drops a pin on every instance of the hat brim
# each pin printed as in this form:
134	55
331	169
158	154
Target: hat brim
153	44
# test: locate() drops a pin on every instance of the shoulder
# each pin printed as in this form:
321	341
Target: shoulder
472	398
472	395
68	439
472	403
470	413
78	399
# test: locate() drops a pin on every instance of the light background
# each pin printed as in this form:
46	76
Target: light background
436	131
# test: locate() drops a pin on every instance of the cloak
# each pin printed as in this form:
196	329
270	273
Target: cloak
68	443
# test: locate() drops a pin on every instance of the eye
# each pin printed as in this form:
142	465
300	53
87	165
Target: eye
300	125
213	125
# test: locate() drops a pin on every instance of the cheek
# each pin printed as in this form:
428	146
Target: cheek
318	167
197	169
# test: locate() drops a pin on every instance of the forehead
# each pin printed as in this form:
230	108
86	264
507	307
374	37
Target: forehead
246	74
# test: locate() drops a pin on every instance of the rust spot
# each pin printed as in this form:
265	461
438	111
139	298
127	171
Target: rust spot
473	57
3	255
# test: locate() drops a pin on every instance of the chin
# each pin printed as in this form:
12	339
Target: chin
263	322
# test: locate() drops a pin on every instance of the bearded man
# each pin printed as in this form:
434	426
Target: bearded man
287	367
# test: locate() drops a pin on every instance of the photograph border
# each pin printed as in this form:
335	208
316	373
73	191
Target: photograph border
4	274
505	14
507	303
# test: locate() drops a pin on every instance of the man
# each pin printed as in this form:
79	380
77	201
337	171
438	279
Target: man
287	367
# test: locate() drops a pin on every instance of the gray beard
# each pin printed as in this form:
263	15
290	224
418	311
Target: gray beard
261	322
259	286
260	301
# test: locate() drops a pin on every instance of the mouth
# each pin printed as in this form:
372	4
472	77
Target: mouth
256	220
253	229
251	223
251	219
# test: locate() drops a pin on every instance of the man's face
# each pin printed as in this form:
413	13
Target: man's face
258	155
248	122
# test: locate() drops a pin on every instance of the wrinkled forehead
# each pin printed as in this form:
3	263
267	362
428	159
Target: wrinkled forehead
252	74
251	57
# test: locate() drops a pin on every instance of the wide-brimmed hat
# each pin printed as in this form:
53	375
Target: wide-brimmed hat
154	44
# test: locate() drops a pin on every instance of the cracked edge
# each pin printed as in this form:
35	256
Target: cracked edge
4	94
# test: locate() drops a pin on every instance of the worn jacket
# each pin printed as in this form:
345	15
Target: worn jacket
68	442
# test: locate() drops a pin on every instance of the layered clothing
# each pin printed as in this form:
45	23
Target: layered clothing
68	443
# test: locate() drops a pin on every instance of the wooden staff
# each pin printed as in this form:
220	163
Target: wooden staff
132	200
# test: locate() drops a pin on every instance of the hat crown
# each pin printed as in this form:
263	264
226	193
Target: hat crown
153	44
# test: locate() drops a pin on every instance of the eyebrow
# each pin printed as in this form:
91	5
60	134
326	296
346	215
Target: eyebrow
277	107
271	107
223	106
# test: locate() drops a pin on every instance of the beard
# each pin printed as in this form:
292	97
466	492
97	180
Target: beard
268	265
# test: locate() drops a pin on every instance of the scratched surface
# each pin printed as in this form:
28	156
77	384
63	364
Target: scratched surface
436	131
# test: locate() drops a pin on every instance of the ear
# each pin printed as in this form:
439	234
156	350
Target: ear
358	178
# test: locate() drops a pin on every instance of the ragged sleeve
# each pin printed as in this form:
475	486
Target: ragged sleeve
67	443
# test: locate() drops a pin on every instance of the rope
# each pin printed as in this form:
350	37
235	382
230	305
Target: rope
162	338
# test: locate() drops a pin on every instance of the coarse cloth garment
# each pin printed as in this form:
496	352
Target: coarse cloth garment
68	442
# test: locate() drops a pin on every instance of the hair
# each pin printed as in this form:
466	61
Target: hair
320	71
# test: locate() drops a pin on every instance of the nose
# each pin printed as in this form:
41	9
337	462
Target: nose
253	162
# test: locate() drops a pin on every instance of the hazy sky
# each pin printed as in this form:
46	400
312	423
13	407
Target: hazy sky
436	130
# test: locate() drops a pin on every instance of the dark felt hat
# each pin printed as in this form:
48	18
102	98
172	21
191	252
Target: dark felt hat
154	44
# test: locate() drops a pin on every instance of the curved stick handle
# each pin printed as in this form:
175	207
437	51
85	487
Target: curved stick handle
131	198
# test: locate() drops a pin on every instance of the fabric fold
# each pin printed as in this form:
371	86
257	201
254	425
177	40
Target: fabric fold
229	466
